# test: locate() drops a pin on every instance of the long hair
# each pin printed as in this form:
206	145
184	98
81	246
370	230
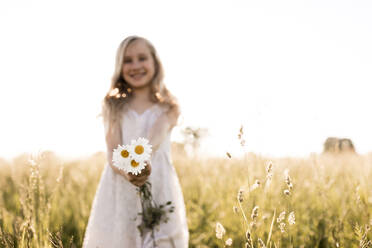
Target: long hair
120	92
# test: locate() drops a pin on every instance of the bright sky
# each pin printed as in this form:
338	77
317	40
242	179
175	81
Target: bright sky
292	72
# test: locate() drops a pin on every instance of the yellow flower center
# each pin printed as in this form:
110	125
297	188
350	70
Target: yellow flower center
134	163
139	149
124	153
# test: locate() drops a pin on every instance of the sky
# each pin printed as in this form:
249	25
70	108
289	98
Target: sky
291	72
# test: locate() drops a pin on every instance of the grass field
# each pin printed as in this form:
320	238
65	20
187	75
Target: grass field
46	203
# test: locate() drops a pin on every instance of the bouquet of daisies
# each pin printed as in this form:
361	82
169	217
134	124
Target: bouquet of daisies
132	159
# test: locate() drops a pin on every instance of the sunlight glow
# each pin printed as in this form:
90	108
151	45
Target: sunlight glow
291	72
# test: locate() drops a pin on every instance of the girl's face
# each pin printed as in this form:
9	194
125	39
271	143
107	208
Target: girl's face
138	65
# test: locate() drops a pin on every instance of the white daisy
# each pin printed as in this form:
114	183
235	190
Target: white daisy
135	167
121	156
140	150
122	159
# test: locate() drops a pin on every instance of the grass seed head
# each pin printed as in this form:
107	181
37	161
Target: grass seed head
261	243
288	179
248	235
249	242
291	218
220	230
282	227
281	217
240	136
240	195
269	167
228	242
256	185
228	154
254	214
235	209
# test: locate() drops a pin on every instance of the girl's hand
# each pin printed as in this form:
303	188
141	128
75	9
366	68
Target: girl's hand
139	180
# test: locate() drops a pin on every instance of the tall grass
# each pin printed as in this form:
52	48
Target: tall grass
46	202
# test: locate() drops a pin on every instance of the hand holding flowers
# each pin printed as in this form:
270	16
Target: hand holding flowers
133	160
140	179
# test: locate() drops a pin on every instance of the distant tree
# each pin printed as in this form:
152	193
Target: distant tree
338	145
192	137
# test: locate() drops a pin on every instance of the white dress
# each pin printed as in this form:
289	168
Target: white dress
112	221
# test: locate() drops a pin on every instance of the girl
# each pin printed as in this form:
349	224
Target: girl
137	105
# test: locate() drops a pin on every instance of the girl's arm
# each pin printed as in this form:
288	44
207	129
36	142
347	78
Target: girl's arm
113	136
162	126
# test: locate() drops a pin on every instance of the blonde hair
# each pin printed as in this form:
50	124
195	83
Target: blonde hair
120	91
